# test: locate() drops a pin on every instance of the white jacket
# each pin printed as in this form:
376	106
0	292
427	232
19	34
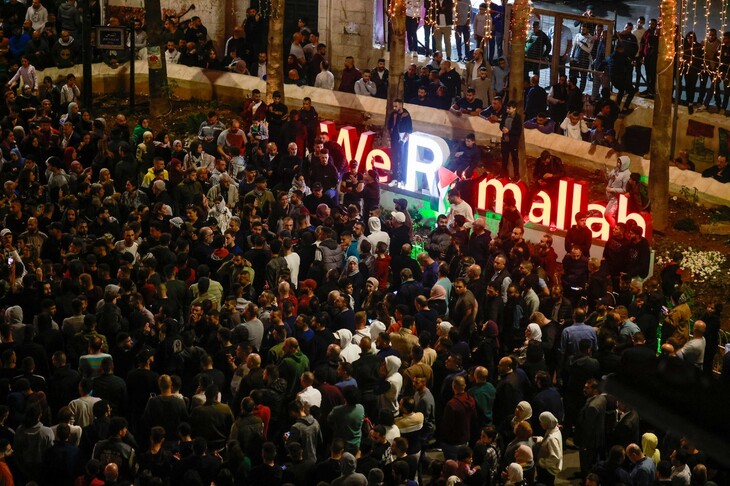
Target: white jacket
550	456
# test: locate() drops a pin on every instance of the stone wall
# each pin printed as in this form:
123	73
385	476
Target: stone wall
200	84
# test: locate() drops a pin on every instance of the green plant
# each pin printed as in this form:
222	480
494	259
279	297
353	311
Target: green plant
416	217
686	224
192	123
689	194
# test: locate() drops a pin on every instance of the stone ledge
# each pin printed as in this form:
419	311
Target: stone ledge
201	84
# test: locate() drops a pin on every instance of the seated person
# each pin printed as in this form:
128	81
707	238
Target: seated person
466	156
682	161
468	105
422	98
547	173
612	143
494	112
442	100
574	126
231	61
542	123
598	131
292	77
720	171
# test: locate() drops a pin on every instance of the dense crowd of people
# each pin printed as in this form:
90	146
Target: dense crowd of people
240	310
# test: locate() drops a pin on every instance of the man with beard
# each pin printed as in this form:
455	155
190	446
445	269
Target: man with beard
399	127
463	314
439	240
288	166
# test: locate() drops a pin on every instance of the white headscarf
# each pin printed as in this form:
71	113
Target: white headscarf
534	333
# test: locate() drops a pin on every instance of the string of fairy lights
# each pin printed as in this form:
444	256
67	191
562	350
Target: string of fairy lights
431	18
710	67
696	57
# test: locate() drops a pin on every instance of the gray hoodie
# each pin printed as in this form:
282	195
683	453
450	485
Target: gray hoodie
349	477
307	433
14	318
618	178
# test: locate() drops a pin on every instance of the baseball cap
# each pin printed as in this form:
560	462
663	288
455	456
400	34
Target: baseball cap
317	185
400	202
5	232
398	216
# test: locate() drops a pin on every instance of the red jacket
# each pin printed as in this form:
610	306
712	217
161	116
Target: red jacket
456	421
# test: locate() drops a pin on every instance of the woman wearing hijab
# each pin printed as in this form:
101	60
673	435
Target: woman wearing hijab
72	115
370	297
514	475
649	444
354	276
178	151
437	300
533	333
523	412
550	454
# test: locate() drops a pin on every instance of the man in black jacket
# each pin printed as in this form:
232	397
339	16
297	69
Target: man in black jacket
511	127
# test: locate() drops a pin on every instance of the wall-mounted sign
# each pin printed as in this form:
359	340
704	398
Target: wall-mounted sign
110	38
424	172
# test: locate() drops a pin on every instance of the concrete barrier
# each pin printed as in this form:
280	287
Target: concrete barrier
201	84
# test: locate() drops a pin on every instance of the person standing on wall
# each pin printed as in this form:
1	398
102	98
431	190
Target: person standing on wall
511	127
399	126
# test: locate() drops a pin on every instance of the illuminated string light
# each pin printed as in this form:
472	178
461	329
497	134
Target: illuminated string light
454	14
488	27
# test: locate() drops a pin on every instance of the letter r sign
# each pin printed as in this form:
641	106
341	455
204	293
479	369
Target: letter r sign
426	154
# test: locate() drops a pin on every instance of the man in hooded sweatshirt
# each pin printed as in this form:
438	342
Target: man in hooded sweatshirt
305	430
617	180
376	234
349	351
388	400
293	365
349	477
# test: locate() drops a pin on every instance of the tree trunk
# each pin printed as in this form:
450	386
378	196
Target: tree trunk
397	12
275	65
661	134
159	93
518	31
